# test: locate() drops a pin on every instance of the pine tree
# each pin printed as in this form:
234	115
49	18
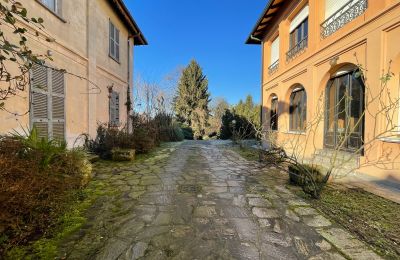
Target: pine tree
192	98
248	110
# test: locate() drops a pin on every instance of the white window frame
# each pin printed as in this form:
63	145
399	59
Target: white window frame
275	48
114	50
299	18
57	6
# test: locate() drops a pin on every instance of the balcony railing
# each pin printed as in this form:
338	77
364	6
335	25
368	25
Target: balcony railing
297	49
273	67
344	15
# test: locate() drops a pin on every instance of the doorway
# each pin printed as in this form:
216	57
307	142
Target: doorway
344	113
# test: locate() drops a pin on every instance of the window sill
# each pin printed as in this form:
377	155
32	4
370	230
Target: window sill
51	11
394	140
114	59
295	132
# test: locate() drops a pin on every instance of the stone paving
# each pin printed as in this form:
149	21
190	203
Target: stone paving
197	200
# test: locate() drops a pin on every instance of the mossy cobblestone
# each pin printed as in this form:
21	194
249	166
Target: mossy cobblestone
196	200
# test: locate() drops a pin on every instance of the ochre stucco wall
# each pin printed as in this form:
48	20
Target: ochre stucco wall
371	40
81	47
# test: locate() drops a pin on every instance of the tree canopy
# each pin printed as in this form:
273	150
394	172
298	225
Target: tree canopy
192	99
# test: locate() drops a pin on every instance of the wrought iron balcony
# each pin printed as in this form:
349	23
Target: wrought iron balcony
344	15
273	67
297	49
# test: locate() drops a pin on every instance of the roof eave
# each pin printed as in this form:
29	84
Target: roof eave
252	39
138	36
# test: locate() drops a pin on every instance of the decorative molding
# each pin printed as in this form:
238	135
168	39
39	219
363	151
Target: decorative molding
295	75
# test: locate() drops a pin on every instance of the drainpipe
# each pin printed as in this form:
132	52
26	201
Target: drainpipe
128	92
131	36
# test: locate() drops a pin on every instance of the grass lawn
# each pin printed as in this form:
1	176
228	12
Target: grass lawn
371	218
247	153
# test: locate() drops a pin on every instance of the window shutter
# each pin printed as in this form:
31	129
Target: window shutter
48	102
112	48
39	107
275	50
301	16
116	43
114	108
332	6
58	105
59	7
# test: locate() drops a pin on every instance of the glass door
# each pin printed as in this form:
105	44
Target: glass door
344	113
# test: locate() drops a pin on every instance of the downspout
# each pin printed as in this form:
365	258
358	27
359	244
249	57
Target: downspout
262	85
128	92
129	97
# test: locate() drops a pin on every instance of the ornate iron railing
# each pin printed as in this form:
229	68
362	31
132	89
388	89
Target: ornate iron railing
273	67
344	15
297	49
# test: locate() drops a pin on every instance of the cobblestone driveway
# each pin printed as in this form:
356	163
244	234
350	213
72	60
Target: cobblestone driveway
198	201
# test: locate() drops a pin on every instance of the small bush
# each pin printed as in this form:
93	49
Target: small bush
107	139
36	179
309	177
187	132
144	135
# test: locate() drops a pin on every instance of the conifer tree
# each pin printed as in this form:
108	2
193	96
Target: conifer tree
192	98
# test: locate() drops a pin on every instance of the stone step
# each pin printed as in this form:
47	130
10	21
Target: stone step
338	154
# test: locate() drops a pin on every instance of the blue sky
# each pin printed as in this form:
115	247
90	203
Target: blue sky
211	31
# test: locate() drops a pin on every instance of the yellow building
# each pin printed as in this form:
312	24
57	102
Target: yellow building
322	87
94	39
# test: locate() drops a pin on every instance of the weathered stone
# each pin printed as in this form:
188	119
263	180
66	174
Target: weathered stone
327	256
349	245
305	211
323	245
204	212
278	239
273	251
162	218
135	194
298	202
113	249
277	227
246	229
301	246
265	213
264	222
137	251
291	215
259	202
317	221
229	218
235	212
239	201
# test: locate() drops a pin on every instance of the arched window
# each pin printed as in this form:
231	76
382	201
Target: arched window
298	109
274	113
344	116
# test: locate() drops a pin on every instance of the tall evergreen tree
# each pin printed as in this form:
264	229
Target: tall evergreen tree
192	98
248	110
